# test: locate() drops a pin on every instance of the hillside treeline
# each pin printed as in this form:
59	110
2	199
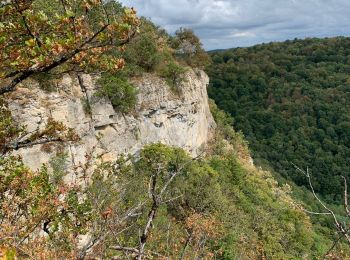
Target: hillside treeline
292	102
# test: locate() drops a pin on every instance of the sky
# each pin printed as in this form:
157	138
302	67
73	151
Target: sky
222	24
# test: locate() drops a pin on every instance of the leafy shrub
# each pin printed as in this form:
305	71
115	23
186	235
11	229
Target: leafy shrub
143	52
188	48
47	82
119	91
86	106
148	50
174	75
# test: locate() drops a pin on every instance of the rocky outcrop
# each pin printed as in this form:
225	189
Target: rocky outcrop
160	116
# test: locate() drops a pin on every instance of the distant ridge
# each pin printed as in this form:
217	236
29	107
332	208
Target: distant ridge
274	42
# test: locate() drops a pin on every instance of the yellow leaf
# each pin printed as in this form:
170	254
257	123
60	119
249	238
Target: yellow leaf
7	254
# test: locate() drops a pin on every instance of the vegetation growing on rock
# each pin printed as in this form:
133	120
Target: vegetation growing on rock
213	207
119	91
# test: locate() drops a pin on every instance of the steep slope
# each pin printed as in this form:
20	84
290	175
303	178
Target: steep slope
291	101
220	206
182	120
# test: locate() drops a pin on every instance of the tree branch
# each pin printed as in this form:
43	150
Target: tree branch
332	247
26	143
188	241
346	197
24	74
16	146
24	19
151	214
338	225
123	248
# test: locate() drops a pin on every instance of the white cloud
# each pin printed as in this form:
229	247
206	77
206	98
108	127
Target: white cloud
229	23
243	35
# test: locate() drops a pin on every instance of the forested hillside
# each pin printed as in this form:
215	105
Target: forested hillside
292	102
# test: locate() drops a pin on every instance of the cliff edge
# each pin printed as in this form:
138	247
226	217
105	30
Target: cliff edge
182	120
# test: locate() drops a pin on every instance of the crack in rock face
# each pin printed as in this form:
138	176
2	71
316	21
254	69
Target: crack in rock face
160	116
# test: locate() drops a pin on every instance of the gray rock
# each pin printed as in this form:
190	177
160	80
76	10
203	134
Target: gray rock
160	116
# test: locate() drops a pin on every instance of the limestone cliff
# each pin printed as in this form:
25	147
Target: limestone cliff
160	116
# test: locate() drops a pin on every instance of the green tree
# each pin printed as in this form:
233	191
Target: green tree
148	49
189	48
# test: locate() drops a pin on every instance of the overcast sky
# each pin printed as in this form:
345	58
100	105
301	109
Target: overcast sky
233	23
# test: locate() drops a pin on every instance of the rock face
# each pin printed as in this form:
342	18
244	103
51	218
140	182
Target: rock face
160	116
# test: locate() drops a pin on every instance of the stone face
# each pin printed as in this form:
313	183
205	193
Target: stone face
160	116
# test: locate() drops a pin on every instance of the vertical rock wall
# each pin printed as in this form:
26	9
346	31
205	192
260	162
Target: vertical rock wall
160	116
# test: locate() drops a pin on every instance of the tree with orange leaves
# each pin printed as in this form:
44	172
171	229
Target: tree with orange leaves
70	35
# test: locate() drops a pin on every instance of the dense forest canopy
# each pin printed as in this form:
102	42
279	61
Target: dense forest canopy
292	102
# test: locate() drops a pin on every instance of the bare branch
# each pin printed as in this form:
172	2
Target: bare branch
27	143
333	246
36	142
133	250
338	225
157	200
103	233
123	248
177	173
172	199
307	174
346	197
188	241
315	213
151	214
167	239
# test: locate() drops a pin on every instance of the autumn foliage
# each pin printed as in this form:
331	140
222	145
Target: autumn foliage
67	36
